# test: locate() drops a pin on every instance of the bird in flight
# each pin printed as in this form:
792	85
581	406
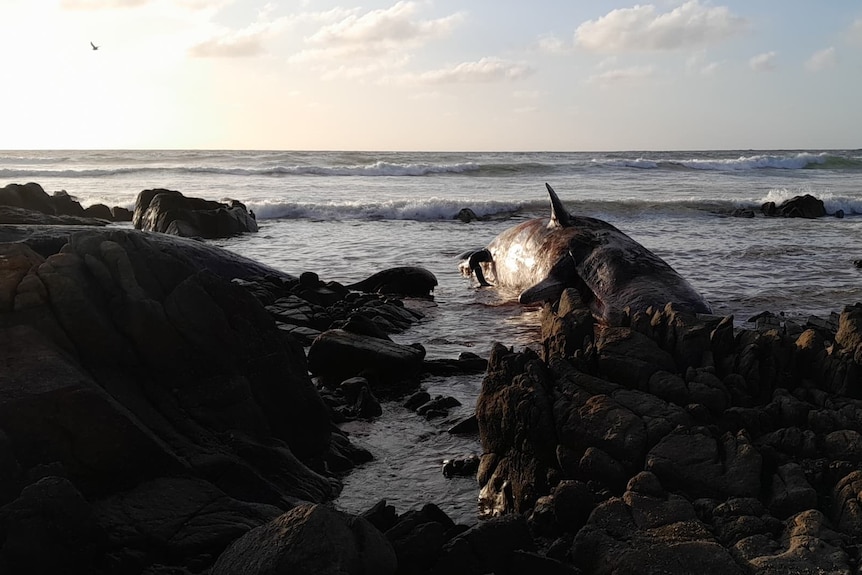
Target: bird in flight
94	46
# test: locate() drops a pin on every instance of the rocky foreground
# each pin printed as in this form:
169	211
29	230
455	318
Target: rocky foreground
158	415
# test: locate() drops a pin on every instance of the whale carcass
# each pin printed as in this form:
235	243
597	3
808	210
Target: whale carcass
542	257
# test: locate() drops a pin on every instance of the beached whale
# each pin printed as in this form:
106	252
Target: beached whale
542	257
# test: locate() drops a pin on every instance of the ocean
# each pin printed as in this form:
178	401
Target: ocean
346	215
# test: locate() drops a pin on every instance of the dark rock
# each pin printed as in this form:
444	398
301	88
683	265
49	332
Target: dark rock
410	281
175	517
791	493
486	547
66	205
382	515
309	539
516	425
337	355
49	528
464	467
99	211
467	426
171	212
119	214
29	196
677	543
806	206
467	215
417	399
689	460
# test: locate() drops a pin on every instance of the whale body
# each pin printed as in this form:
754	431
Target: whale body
540	258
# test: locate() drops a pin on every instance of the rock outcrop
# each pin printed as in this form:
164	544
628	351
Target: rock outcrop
170	212
30	204
805	206
151	410
677	443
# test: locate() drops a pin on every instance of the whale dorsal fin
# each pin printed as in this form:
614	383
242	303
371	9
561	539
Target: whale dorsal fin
559	215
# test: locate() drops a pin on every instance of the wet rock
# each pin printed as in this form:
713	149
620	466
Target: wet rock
337	355
467	426
461	467
99	211
170	212
410	281
467	215
805	206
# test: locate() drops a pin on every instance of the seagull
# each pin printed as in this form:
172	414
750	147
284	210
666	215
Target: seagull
94	46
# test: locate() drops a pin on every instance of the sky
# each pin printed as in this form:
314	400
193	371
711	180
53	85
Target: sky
436	75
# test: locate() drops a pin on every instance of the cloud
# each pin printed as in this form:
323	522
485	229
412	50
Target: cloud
763	62
622	75
696	64
100	4
856	30
230	46
551	44
484	70
643	29
244	43
376	32
821	60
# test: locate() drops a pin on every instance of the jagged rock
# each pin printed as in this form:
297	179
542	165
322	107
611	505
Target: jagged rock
689	460
170	212
309	539
515	415
807	545
643	533
791	493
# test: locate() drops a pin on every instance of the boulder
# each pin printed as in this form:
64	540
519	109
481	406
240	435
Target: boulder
28	196
170	212
50	528
703	465
649	532
336	355
406	280
309	539
179	516
805	206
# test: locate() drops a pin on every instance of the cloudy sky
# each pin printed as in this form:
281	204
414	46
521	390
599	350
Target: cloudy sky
431	74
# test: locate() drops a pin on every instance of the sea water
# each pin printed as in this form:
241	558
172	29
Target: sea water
346	215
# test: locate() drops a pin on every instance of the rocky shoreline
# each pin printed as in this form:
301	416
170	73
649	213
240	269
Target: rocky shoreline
167	407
